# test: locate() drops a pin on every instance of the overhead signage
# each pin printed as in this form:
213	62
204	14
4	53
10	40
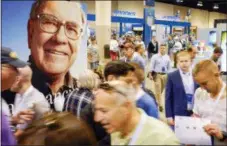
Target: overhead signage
170	18
150	3
149	16
124	14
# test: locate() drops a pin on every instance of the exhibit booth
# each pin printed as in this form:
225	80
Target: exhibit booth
121	25
220	25
165	27
209	36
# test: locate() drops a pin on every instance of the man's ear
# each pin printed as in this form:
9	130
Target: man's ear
217	74
30	32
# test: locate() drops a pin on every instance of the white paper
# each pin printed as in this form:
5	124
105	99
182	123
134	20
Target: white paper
189	130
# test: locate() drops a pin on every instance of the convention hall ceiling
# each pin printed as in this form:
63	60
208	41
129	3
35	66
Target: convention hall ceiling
206	4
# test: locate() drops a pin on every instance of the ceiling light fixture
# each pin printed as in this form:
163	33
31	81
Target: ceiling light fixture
200	3
179	1
216	6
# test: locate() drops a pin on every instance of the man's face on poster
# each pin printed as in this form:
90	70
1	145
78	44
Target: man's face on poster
54	36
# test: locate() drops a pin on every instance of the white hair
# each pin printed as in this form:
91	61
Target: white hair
125	90
88	79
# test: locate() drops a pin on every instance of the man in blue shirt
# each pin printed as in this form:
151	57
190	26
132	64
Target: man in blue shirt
132	56
145	100
116	70
160	66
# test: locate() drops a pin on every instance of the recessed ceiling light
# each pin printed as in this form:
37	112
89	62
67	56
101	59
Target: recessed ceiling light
200	3
216	6
179	1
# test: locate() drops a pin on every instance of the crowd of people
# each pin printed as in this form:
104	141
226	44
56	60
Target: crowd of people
42	104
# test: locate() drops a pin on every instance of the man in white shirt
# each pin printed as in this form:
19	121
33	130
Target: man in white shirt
114	48
160	66
210	99
160	63
177	45
27	97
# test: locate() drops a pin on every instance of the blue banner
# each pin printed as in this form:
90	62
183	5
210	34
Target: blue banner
149	3
149	16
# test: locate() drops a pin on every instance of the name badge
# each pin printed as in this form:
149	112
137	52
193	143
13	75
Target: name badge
163	69
189	101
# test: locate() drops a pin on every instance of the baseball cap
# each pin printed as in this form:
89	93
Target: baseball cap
8	56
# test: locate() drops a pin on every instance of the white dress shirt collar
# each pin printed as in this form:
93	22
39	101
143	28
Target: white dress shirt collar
185	73
139	94
188	81
29	90
20	98
134	55
160	55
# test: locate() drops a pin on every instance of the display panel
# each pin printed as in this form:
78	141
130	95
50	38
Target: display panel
212	37
224	47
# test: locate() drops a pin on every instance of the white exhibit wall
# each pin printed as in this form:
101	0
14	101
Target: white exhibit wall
220	28
203	34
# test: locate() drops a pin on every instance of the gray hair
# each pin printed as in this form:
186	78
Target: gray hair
38	3
88	79
125	90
